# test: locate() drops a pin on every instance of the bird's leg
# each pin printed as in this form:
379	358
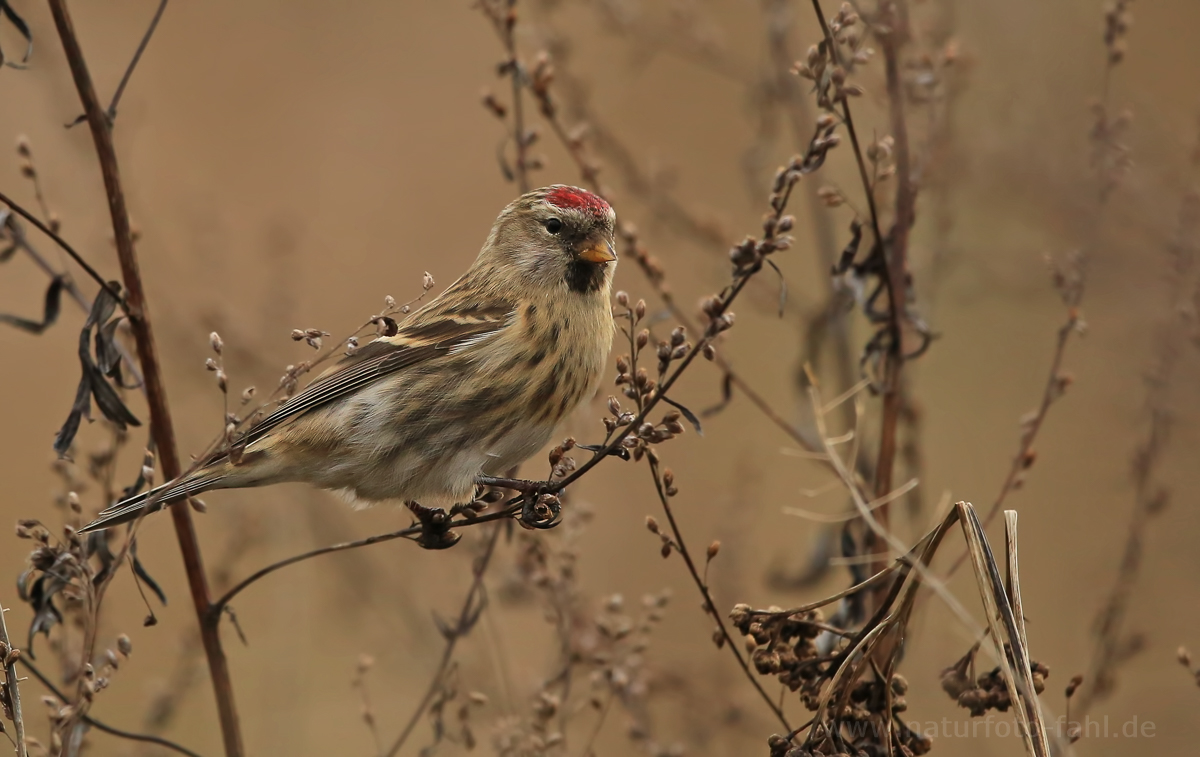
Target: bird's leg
435	526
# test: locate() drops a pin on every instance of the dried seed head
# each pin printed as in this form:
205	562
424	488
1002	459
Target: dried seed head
831	197
651	524
211	364
623	299
214	339
124	645
297	334
427	281
497	108
23	146
1077	680
713	549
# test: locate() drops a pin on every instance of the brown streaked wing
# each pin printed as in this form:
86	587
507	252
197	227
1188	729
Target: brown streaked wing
415	344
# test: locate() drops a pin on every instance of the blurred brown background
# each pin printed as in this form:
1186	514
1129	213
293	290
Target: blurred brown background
291	163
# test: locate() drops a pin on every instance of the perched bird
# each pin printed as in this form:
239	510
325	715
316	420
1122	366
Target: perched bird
471	385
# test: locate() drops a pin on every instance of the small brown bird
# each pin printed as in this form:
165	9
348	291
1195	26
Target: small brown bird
471	385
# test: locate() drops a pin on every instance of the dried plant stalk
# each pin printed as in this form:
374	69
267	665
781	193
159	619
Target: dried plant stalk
161	425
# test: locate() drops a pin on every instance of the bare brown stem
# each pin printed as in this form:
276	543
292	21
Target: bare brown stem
709	606
161	426
897	263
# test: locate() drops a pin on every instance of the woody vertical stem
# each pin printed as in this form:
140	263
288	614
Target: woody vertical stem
161	427
896	251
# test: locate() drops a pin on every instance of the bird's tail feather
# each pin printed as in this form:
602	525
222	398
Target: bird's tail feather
156	499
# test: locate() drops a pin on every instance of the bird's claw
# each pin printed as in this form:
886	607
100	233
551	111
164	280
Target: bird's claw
435	527
540	509
540	512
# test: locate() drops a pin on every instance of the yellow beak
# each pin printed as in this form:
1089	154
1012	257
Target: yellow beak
601	253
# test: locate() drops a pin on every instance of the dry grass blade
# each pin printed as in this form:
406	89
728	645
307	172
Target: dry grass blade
12	695
1012	583
1007	628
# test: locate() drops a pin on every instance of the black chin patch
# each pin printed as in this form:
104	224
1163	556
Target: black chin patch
584	277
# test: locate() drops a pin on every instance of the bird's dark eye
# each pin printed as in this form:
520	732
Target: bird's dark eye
553	225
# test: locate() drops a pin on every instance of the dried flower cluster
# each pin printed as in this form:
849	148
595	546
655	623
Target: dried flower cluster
986	692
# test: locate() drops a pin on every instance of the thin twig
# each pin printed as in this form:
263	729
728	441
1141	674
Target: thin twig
709	605
832	318
161	425
1113	643
893	248
137	56
505	24
1052	391
95	276
587	747
9	660
100	725
472	605
218	606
